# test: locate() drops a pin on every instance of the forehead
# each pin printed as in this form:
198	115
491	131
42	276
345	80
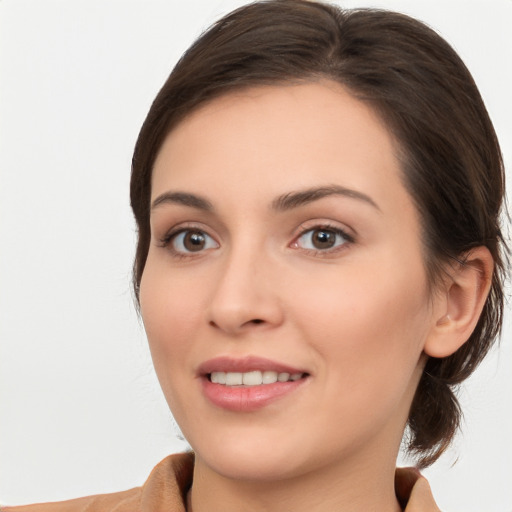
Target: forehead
274	138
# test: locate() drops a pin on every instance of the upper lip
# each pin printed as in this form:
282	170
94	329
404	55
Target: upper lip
245	364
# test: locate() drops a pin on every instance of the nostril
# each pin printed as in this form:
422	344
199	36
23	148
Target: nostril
233	326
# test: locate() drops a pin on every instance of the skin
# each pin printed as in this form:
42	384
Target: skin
357	317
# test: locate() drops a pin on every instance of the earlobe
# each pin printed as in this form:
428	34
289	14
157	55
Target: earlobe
462	300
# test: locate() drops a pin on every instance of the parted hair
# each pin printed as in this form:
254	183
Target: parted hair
448	150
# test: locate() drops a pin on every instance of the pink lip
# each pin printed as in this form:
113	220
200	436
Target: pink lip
246	398
245	364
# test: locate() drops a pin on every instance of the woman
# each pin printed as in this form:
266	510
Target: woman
319	257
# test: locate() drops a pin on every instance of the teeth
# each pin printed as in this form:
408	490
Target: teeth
269	377
234	379
218	377
254	378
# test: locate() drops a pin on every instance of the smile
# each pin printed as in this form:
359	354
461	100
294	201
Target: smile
249	383
252	378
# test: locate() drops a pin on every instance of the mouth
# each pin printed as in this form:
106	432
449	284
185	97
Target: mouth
253	378
250	383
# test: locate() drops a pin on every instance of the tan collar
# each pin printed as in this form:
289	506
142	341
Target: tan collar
167	486
413	491
171	480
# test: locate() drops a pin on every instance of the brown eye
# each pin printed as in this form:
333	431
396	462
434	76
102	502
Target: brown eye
188	241
322	239
194	241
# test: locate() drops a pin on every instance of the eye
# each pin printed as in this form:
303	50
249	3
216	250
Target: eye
322	239
191	240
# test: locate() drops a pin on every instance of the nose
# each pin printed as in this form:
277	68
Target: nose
246	294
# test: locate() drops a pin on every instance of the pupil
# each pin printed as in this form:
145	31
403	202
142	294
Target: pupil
194	241
323	239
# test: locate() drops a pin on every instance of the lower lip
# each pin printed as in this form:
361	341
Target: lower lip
248	398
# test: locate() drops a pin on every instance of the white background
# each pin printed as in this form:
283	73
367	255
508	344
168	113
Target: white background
80	408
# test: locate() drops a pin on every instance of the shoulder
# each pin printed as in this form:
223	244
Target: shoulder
168	483
166	486
118	502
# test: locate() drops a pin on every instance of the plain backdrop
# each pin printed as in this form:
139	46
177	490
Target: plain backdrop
81	411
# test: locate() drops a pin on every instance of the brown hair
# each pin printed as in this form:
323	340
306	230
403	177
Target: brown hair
449	152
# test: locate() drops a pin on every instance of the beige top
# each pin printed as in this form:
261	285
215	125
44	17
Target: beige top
166	488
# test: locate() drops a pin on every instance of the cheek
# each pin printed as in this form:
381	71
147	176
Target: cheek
169	301
171	313
170	318
370	327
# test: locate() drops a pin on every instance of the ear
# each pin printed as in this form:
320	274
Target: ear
459	302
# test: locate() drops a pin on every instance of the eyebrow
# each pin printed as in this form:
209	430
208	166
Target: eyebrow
183	198
282	203
302	197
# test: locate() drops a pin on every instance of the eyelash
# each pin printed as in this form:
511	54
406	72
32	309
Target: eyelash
167	241
170	237
348	239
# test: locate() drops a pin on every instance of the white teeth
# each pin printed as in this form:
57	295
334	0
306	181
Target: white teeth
234	379
218	377
269	377
254	378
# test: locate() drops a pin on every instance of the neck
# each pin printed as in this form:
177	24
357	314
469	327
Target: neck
349	487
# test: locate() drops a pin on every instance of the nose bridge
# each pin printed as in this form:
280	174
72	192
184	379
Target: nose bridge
245	293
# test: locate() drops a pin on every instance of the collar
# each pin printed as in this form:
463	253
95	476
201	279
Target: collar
168	484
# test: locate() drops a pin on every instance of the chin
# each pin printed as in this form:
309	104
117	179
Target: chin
251	460
260	467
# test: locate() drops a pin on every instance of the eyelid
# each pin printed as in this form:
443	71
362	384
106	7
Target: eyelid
319	225
170	235
329	224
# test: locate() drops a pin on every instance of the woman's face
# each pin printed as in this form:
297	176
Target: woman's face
285	246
